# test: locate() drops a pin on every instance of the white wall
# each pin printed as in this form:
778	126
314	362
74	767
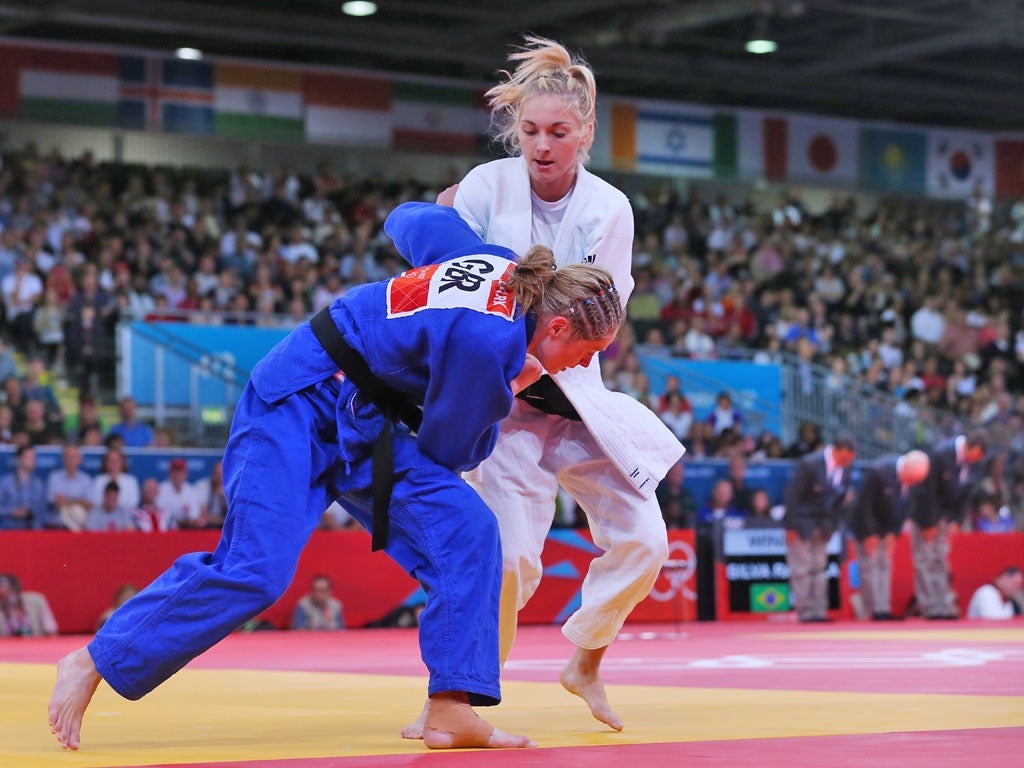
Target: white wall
192	151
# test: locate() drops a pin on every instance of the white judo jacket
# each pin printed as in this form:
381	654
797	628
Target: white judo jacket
597	228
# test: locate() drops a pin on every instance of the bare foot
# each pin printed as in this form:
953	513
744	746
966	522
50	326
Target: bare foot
414	730
77	680
581	676
452	724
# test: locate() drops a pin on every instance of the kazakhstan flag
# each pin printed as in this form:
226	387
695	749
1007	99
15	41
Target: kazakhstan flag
769	597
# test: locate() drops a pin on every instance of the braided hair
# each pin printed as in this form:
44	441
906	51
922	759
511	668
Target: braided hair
582	293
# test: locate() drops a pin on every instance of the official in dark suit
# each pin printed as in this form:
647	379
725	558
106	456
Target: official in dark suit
879	511
938	509
816	496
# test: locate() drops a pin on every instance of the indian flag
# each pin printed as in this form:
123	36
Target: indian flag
347	109
253	102
74	87
428	117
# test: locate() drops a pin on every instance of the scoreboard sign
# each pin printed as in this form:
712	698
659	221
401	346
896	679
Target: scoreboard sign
757	575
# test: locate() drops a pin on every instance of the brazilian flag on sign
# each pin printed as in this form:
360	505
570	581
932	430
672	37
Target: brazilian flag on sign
769	597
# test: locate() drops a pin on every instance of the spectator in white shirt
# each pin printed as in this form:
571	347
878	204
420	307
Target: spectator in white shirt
298	247
698	344
928	323
69	491
150	517
20	291
677	416
1000	599
115	467
111	514
179	497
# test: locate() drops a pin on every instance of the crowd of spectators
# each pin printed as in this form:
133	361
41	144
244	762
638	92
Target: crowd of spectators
114	499
918	299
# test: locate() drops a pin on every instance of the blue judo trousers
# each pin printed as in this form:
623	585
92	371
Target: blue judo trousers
302	437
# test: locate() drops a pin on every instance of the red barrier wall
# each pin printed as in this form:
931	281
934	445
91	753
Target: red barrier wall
80	572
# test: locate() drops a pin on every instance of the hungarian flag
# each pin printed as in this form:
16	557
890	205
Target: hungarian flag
51	84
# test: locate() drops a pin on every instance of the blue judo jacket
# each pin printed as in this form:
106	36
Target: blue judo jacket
443	333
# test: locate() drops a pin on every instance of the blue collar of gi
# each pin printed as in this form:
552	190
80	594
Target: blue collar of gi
531	325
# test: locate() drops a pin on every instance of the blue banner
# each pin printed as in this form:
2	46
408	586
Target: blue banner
185	356
756	389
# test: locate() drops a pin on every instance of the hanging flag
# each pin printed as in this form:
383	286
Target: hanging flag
958	161
51	85
821	150
10	79
750	144
893	160
347	109
623	130
1010	167
601	150
776	148
726	145
676	141
769	597
166	94
254	102
432	117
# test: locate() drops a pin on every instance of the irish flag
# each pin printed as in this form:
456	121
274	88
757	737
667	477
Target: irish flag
258	102
347	109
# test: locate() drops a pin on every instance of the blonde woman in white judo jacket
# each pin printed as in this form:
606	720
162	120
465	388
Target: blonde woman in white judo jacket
604	448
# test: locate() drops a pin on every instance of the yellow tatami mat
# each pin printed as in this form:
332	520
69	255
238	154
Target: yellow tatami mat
202	716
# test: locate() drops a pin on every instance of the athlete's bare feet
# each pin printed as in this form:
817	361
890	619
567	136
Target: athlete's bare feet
452	724
77	680
414	730
582	677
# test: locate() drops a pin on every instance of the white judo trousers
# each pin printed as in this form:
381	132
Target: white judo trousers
611	462
627	526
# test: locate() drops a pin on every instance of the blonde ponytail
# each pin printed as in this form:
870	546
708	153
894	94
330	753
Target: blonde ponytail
544	67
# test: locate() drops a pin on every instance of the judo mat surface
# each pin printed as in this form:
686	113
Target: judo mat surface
912	693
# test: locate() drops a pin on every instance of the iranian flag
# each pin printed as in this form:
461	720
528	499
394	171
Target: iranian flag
347	109
432	117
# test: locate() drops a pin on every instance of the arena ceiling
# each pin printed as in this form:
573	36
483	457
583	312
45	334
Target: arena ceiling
955	62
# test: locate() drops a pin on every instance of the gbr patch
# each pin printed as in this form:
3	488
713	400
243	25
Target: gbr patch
469	282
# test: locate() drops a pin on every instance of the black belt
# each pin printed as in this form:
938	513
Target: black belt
396	406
